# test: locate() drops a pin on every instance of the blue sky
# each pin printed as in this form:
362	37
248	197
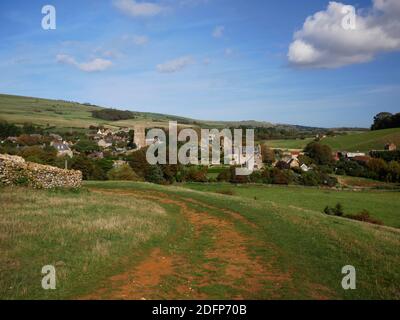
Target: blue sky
207	59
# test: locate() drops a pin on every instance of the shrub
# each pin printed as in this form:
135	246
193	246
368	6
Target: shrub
225	175
234	178
336	211
123	172
226	192
364	216
196	174
86	146
8	130
154	174
137	160
280	176
310	178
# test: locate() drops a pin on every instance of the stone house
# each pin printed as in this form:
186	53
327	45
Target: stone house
390	147
62	148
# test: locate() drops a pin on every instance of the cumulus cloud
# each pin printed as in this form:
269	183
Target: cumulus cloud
94	65
323	42
175	65
218	31
138	9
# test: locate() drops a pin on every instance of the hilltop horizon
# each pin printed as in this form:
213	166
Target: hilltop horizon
243	122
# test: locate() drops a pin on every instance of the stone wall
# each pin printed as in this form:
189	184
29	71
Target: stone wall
15	170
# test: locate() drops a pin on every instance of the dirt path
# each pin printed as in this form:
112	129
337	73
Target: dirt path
226	264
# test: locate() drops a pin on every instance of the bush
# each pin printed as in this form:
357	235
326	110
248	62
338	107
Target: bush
336	211
310	178
234	178
154	174
196	174
8	130
137	160
86	146
40	155
364	216
123	172
226	192
280	176
225	175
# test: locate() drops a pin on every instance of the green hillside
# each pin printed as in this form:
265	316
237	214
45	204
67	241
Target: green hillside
353	141
371	140
66	114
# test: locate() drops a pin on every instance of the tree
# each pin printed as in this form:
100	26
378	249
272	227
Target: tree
321	154
394	171
137	160
86	146
386	120
378	166
8	130
28	140
37	154
280	176
123	172
268	155
84	165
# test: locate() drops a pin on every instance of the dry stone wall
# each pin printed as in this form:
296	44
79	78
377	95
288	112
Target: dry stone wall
15	170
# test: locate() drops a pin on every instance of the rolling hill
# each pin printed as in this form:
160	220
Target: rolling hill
67	114
352	141
365	141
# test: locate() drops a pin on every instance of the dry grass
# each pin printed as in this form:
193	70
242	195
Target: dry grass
85	230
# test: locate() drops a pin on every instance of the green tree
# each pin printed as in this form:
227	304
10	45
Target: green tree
320	154
123	172
268	155
86	146
154	174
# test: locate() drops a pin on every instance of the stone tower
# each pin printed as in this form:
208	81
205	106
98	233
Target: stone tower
140	136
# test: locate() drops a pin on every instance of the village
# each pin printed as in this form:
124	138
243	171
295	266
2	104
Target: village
98	150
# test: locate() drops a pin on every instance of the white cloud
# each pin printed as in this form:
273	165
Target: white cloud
138	9
324	43
94	65
175	65
218	31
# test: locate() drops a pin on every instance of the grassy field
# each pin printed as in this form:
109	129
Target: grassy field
288	144
371	140
85	235
123	240
356	141
63	114
383	205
